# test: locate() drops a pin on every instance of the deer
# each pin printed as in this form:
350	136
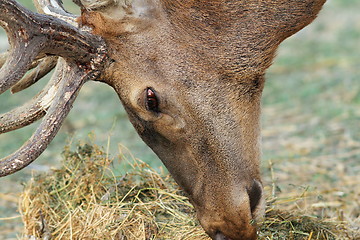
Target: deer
189	73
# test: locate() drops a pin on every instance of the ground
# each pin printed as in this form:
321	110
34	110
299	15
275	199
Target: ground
311	113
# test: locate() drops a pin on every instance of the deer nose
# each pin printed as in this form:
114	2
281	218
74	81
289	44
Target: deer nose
225	225
235	219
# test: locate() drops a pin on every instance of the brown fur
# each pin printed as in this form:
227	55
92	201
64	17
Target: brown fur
206	59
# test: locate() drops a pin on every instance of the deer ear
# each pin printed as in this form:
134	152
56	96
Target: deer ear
287	17
113	18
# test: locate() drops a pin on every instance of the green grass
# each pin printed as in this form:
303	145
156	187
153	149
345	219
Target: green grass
311	113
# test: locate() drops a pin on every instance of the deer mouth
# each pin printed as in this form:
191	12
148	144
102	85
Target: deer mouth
220	236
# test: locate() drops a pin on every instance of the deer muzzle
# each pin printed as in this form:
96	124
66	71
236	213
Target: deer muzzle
232	215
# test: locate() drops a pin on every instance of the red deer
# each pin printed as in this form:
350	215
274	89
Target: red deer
189	73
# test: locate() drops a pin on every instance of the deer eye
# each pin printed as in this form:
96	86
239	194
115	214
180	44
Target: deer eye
151	101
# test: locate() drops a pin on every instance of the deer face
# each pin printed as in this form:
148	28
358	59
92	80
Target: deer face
190	76
204	126
200	119
192	90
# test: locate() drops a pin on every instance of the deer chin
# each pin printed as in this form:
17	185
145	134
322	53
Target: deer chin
233	215
229	227
226	230
220	236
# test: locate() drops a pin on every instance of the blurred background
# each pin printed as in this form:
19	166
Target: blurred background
311	116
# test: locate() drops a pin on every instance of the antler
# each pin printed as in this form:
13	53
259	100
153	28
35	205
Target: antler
36	40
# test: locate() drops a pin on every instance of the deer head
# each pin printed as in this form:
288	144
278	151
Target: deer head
189	73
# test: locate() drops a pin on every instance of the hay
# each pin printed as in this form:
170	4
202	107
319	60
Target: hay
284	225
84	199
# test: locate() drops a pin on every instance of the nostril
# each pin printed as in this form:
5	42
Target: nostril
220	236
255	194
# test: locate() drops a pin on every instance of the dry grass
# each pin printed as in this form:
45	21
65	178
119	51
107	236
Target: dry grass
85	200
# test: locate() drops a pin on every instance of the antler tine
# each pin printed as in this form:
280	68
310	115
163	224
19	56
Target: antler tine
3	57
43	66
71	83
32	35
14	25
13	69
34	64
41	69
56	9
36	108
